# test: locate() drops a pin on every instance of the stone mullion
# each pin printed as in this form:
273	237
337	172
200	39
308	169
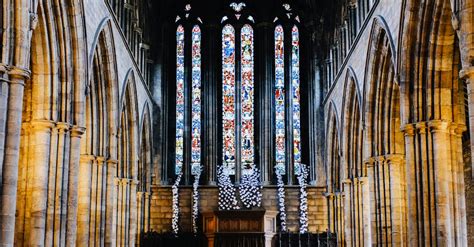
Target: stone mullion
73	192
84	198
397	193
111	203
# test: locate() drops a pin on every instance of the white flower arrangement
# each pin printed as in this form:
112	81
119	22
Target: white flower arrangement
175	207
227	197
251	189
197	169
281	198
301	171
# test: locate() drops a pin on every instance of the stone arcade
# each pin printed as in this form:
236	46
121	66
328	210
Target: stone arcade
120	119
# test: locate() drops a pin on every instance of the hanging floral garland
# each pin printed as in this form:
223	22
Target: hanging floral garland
251	189
281	199
302	175
175	191
227	198
196	170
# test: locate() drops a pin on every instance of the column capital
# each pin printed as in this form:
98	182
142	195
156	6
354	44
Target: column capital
15	72
363	180
63	127
467	73
436	126
100	160
409	129
329	195
347	181
394	158
87	158
77	131
117	181
370	162
41	125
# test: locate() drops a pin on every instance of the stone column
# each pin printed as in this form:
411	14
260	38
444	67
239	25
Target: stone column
366	214
443	178
100	202
211	102
111	203
84	199
348	210
412	228
133	211
41	147
396	166
72	201
10	154
371	198
266	114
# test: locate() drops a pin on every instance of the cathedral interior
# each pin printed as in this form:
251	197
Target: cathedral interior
236	123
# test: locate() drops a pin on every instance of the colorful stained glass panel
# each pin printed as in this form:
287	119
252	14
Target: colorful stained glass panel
179	99
295	90
247	98
196	100
228	94
280	155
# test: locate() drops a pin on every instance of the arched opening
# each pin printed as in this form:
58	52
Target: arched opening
98	160
385	142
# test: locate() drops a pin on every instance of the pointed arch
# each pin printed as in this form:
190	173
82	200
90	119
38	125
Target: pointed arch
352	131
97	168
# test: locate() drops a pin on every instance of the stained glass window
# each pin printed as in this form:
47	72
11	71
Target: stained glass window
280	153
295	91
179	99
196	101
247	98
228	94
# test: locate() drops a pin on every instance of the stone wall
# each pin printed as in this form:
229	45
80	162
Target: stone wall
161	206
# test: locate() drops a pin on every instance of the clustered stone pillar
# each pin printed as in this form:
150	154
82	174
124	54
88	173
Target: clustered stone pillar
9	156
435	184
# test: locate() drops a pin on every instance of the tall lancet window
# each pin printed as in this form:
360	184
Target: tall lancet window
196	100
247	98
238	92
280	152
288	148
228	94
295	92
188	94
180	99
